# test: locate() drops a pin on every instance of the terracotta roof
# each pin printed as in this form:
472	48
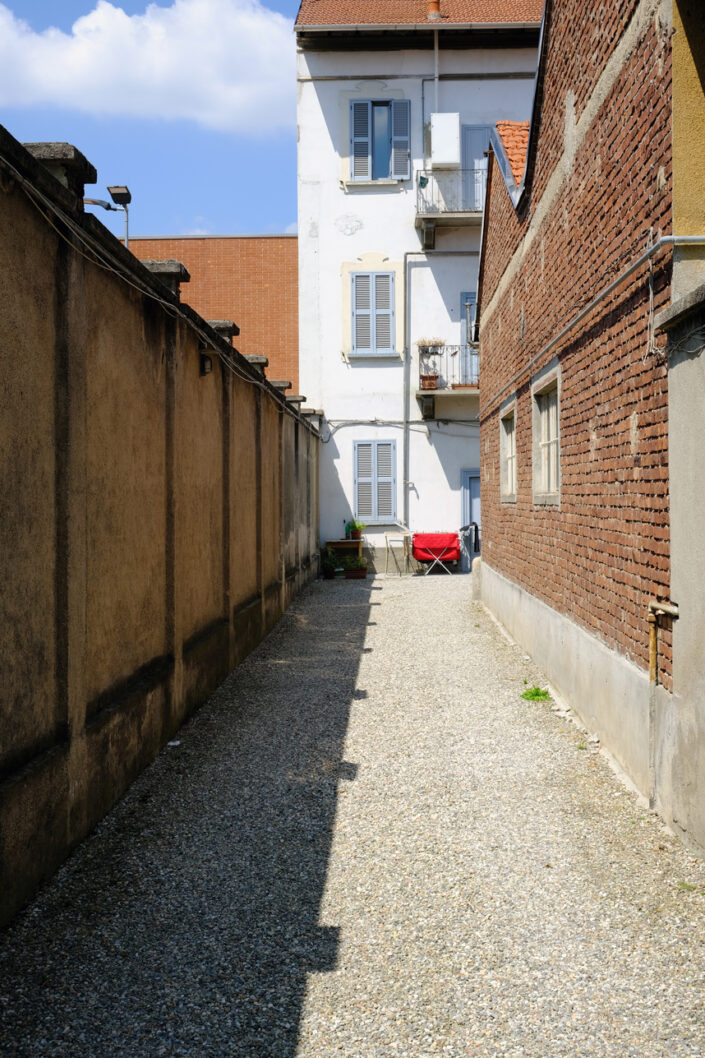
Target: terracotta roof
414	12
515	137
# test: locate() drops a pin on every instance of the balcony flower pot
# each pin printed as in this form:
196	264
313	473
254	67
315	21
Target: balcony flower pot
429	381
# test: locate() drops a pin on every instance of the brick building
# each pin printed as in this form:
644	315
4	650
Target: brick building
250	279
583	246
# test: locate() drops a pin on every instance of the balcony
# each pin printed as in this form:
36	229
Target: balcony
449	197
448	369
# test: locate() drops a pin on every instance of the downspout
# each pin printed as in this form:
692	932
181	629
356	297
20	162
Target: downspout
435	70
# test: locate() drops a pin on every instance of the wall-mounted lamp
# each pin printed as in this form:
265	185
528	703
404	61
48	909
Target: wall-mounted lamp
121	196
205	364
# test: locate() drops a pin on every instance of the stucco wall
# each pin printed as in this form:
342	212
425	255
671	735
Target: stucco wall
346	227
142	505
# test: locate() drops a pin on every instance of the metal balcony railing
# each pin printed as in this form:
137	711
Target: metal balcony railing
440	191
444	367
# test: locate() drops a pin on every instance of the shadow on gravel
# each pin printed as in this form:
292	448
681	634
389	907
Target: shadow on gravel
189	922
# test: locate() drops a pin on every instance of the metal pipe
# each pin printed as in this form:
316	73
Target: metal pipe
435	67
665	240
670	609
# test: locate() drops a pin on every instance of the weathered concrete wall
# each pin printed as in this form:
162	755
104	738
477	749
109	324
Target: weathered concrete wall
155	520
681	762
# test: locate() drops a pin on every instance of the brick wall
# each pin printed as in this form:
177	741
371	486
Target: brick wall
252	280
603	551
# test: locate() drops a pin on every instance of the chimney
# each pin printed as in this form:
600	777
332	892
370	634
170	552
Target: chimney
434	10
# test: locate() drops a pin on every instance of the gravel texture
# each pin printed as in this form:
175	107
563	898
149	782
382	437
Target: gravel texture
368	844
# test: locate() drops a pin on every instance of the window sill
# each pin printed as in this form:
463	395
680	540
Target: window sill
547	499
509	500
348	184
373	356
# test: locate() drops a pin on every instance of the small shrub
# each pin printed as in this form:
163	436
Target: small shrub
536	694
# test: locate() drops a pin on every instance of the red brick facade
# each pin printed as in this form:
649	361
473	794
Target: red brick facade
250	279
602	551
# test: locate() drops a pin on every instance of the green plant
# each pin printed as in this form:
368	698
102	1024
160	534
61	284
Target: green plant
329	559
536	694
687	887
582	745
354	524
354	562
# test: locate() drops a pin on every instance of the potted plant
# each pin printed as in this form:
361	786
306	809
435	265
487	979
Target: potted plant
355	529
429	349
355	567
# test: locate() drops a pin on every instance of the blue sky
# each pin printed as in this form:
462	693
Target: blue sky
189	102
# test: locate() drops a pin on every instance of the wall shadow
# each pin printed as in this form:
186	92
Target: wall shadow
189	922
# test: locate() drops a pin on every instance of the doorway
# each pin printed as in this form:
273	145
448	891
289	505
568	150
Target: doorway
476	142
470	512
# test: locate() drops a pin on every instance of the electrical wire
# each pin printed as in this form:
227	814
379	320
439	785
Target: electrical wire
101	257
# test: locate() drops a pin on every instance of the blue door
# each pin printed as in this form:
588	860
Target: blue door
470	512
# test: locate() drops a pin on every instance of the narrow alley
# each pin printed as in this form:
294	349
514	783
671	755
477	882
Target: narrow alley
368	844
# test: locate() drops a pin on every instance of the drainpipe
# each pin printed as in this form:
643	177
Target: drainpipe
435	68
656	610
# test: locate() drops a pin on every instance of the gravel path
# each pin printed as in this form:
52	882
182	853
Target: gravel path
368	844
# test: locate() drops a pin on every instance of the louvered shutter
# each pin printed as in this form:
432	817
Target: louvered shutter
363	319
401	139
364	480
361	140
386	489
384	312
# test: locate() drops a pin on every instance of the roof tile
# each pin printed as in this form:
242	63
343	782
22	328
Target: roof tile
515	137
414	12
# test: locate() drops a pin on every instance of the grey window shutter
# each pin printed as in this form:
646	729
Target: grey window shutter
364	479
386	480
361	139
384	312
362	313
401	139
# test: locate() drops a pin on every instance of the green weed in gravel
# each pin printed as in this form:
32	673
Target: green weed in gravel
536	694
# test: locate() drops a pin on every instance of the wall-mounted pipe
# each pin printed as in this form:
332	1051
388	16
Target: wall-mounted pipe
665	240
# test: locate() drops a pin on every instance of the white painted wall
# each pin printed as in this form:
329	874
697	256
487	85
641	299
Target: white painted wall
344	227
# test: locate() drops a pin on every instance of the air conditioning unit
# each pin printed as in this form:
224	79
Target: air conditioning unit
445	141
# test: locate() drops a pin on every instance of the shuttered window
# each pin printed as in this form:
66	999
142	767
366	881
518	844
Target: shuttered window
375	481
373	313
380	139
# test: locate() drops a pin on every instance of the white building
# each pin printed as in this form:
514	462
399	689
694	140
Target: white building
395	109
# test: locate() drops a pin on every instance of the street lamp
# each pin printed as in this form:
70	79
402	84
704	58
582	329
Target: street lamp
121	196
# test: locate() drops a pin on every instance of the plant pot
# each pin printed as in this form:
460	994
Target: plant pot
429	381
356	534
355	574
328	572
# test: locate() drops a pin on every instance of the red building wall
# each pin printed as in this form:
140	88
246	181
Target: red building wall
602	553
250	279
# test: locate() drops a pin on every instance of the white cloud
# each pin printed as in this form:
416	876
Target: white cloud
292	229
224	64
